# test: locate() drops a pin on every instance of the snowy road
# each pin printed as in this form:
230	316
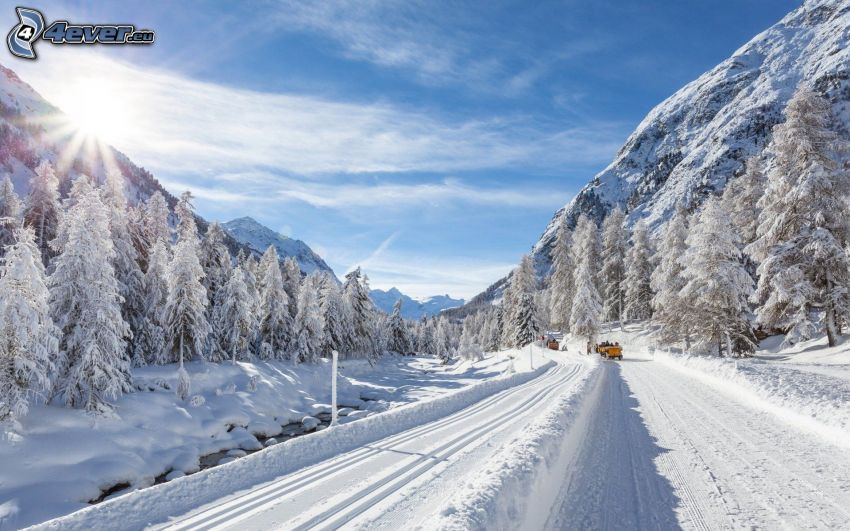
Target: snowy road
396	482
666	450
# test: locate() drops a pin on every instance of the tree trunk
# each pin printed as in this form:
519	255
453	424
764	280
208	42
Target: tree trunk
181	350
728	345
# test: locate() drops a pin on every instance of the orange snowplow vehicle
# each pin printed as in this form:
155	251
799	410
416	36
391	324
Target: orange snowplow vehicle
609	350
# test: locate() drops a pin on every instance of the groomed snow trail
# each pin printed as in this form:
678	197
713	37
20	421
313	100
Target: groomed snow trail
666	450
396	482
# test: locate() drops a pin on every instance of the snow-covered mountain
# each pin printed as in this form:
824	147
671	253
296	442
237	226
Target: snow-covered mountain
258	237
692	143
412	308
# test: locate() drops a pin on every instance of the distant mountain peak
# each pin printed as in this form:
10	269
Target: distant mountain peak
258	237
412	308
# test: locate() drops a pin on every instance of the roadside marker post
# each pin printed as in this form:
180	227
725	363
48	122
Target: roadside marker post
335	355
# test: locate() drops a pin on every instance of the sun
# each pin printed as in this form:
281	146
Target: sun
96	107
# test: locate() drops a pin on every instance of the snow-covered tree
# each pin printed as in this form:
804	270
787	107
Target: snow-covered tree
291	282
275	322
741	198
308	326
523	282
125	261
804	226
667	281
186	322
234	319
150	343
398	340
86	306
492	330
380	332
561	284
612	276
470	348
526	325
718	285
42	208
443	340
336	331
586	313
29	342
356	296
156	219
10	213
639	268
425	336
215	259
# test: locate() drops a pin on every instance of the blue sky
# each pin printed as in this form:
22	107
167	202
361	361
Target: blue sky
429	142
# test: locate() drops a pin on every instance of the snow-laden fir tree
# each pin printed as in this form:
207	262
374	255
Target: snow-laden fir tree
425	336
157	227
308	326
138	235
667	281
10	213
741	197
291	282
718	286
29	341
492	329
233	318
275	322
443	340
186	322
356	296
125	261
469	348
82	185
612	276
150	342
526	325
42	208
336	331
639	266
586	312
561	284
397	340
86	306
381	332
804	226
215	260
543	304
523	282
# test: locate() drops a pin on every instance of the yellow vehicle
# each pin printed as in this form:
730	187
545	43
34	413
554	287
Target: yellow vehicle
610	350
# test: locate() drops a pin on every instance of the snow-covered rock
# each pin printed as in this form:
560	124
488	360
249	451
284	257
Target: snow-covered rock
258	237
310	423
318	409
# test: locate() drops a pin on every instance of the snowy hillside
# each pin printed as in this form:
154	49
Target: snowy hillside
258	237
689	146
412	308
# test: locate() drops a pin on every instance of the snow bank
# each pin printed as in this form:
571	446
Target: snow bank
144	507
812	401
523	477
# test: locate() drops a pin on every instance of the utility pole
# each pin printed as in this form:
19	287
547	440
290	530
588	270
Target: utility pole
335	356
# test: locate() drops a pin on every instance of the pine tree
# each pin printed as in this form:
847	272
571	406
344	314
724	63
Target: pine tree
10	213
42	208
613	273
717	286
470	348
398	340
156	220
667	281
275	322
587	304
356	296
639	273
336	330
526	324
803	230
28	338
234	319
86	306
741	197
307	344
291	282
442	340
125	261
150	343
425	336
523	282
215	259
186	323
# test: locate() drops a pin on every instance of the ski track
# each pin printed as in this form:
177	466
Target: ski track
391	483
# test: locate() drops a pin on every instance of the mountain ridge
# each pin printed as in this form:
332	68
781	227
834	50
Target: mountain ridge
413	308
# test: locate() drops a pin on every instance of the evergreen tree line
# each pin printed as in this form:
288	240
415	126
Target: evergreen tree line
769	255
91	287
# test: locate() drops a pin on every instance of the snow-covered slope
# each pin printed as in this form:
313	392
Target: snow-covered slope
258	237
690	145
412	308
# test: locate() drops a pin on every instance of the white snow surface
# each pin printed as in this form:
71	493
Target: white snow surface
58	459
